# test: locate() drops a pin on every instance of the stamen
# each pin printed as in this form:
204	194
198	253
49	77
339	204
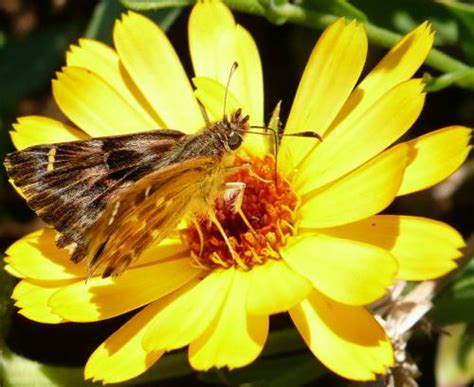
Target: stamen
247	223
253	174
216	258
197	261
290	226
235	256
252	232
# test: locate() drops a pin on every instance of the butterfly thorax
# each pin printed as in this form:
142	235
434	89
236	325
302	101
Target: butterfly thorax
219	143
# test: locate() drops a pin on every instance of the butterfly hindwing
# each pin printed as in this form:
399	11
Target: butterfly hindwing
69	184
146	213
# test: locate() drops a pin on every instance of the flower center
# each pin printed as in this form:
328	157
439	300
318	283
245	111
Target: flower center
256	220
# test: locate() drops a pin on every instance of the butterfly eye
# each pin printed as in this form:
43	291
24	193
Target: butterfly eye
234	140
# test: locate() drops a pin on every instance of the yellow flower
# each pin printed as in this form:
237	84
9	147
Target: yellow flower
318	249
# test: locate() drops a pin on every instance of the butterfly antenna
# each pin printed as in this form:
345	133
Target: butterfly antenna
231	73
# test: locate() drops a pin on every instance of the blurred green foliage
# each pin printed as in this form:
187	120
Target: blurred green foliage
27	63
456	303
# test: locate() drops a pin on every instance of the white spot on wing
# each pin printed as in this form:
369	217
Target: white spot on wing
147	191
114	213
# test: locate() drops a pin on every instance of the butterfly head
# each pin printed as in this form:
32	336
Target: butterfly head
233	129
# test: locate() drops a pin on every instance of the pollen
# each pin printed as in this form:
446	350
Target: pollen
252	223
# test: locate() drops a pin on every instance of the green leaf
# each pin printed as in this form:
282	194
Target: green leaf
404	15
28	65
291	370
306	370
456	303
102	21
146	5
462	77
336	7
19	371
250	6
466	349
464	14
454	364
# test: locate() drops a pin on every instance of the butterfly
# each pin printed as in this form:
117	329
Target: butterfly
109	198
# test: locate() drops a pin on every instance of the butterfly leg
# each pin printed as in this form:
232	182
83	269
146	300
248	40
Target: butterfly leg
235	256
234	193
200	235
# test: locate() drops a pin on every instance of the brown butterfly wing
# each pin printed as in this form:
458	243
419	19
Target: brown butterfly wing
69	184
146	213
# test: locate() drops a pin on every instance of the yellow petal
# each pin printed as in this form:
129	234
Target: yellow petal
234	338
362	193
207	23
95	106
346	339
330	75
152	63
424	248
356	141
121	356
397	66
435	156
183	320
32	299
211	94
167	249
275	288
104	61
10	270
37	130
350	272
99	298
36	256
216	42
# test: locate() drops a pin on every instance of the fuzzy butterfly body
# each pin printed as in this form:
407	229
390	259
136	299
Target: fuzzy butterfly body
110	198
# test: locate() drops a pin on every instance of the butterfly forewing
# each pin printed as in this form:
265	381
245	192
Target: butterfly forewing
69	184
